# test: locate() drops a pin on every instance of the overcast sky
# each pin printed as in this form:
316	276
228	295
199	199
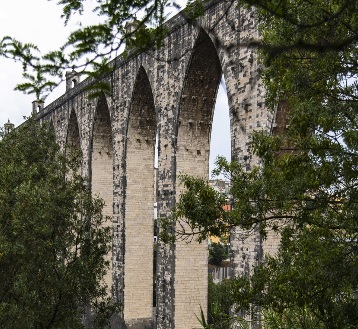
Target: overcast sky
39	22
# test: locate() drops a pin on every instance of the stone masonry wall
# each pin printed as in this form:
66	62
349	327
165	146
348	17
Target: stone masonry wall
169	92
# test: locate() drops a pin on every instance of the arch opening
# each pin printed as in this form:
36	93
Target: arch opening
192	157
102	167
220	140
73	133
139	201
73	141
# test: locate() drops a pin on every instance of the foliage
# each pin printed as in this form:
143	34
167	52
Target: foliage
311	281
52	242
219	304
291	318
206	203
194	9
306	185
217	253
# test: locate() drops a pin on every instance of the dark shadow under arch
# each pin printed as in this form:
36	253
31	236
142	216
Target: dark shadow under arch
73	139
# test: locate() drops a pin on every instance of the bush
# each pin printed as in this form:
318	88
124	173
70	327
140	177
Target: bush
217	253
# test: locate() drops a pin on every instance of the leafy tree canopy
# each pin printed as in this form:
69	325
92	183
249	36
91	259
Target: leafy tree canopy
217	253
52	241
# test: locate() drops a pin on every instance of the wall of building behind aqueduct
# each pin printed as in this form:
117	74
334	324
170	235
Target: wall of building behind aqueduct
169	93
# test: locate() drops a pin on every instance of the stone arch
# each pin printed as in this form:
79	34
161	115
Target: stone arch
192	157
197	104
73	138
101	165
139	201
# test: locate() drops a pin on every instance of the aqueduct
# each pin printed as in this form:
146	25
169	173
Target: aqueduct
169	93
